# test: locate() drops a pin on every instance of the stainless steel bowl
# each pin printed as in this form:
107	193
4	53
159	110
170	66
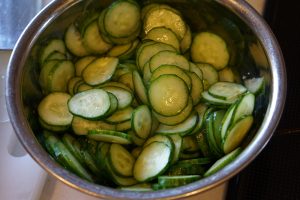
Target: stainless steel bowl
263	51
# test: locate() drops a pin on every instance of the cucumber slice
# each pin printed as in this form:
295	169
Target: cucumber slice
217	117
196	161
54	45
255	85
210	135
71	84
244	107
115	84
168	57
210	48
127	80
226	90
152	161
113	104
81	126
74	43
59	76
176	181
124	96
164	35
119	50
227	119
53	109
186	169
226	75
196	88
172	69
168	95
177	140
60	152
150	50
210	74
120	116
186	41
141	121
203	144
53	128
236	133
135	139
140	88
56	55
90	104
100	70
160	138
176	119
131	52
124	126
119	180
93	40
136	151
109	136
194	68
216	101
69	141
120	160
183	128
222	162
81	64
122	18
164	17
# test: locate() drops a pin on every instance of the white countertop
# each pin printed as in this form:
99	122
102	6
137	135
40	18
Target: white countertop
23	179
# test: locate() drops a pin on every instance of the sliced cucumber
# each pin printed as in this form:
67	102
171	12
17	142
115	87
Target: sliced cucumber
56	55
196	88
121	160
255	85
168	57
90	104
74	43
164	35
177	140
119	180
227	120
152	161
59	76
209	73
244	107
60	152
81	64
120	116
93	40
168	95
53	128
186	169
141	121
176	181
186	41
226	90
54	45
150	50
124	96
53	109
164	17
216	101
207	47
183	128
176	119
140	88
172	69
109	136
100	70
122	18
227	75
81	126
222	162
124	126
160	138
236	133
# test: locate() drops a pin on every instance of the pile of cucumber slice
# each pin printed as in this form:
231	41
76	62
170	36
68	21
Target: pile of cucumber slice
133	100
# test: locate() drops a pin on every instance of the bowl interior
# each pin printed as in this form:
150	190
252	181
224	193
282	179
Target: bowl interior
249	58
